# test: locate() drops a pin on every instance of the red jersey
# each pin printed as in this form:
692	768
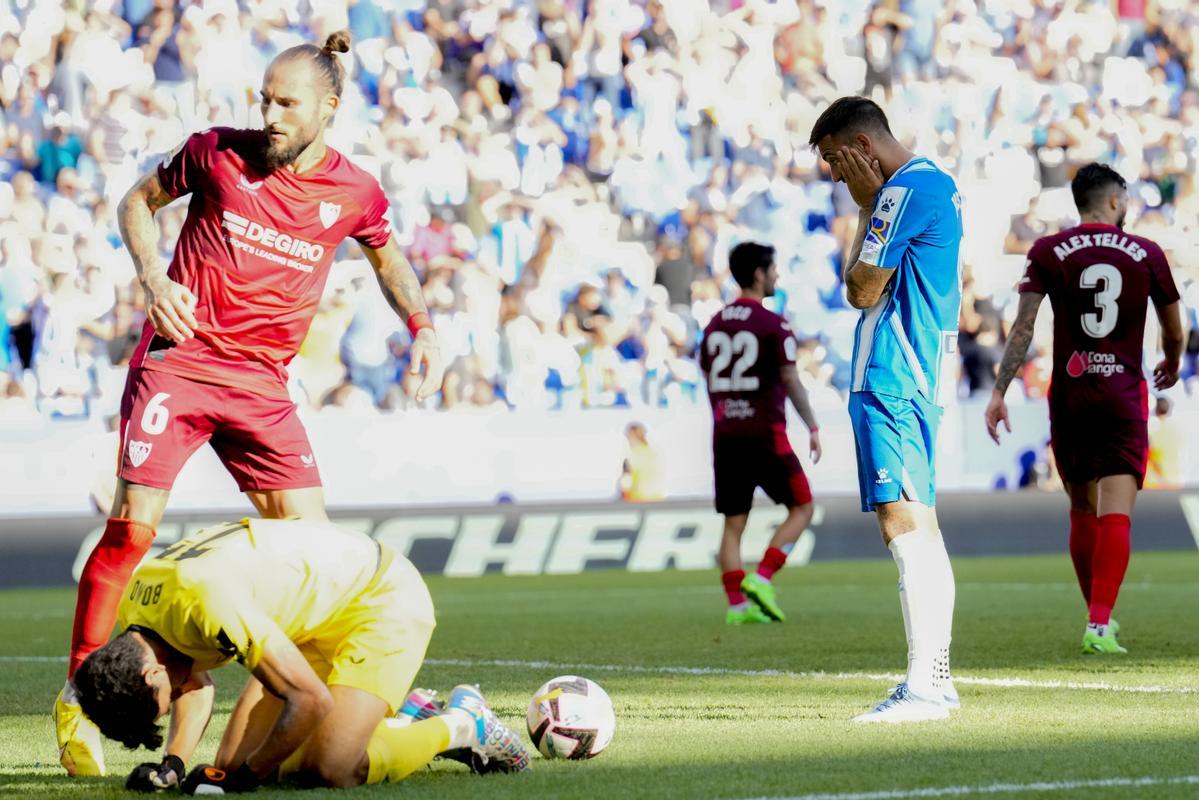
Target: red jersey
255	250
743	352
1099	280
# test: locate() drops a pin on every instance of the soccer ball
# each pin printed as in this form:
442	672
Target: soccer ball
571	717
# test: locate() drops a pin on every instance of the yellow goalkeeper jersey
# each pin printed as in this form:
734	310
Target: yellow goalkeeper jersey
224	592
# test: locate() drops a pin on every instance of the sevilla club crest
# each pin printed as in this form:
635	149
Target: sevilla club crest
139	452
329	213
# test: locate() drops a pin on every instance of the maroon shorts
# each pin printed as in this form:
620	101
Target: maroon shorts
743	463
165	418
1088	447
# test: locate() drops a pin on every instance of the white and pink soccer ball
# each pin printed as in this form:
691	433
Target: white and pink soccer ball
571	717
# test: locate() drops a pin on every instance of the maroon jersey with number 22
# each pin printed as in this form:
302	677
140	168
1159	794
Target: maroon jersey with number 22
745	348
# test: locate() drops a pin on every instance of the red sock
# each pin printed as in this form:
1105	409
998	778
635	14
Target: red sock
772	561
732	586
1084	531
1110	562
102	584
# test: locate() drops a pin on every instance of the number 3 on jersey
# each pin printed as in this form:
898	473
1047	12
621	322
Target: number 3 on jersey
722	348
156	415
1098	325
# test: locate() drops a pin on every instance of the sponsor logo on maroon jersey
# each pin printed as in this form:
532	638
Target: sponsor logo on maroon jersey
276	246
735	409
1085	362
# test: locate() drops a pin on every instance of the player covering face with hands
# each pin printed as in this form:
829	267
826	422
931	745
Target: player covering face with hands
333	628
1100	281
268	209
903	273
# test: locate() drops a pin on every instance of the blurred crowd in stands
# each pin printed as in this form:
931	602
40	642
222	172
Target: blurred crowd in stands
567	176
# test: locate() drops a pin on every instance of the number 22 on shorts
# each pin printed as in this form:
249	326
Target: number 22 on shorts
156	415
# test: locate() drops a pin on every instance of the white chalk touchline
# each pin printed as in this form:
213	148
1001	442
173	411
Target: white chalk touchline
1003	683
997	788
641	669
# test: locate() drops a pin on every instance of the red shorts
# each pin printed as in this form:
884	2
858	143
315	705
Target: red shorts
743	463
1088	447
165	418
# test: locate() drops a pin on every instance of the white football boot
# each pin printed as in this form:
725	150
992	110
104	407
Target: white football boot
904	706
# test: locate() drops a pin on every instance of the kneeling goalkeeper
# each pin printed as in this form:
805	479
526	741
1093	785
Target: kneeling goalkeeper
333	627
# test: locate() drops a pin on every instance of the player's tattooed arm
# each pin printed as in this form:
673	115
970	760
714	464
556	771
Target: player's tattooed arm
397	279
1018	340
136	218
403	291
170	306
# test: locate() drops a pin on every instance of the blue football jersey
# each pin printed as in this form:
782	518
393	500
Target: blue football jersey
902	341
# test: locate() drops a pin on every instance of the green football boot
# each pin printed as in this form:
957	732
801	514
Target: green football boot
1094	644
761	591
752	615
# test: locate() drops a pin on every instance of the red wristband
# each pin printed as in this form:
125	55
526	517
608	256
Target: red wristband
418	322
814	429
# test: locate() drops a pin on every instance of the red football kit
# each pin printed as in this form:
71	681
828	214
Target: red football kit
255	249
743	352
1099	280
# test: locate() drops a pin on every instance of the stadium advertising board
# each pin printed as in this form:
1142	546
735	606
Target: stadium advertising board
565	539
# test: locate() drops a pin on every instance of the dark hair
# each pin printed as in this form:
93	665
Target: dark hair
1092	184
323	59
114	694
746	259
849	114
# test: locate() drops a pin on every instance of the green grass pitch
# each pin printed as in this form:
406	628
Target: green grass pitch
1032	711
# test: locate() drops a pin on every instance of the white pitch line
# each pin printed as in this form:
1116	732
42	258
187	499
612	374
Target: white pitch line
640	669
997	788
1002	683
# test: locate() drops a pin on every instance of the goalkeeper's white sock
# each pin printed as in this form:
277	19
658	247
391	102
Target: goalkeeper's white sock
926	594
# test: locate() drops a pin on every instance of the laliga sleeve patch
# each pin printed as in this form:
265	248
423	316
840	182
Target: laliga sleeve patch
882	222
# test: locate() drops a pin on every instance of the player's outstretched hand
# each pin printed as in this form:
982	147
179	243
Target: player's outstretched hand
997	413
426	352
151	777
207	779
814	449
1165	374
863	176
170	307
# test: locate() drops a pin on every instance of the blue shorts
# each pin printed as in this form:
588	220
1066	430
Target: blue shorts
897	444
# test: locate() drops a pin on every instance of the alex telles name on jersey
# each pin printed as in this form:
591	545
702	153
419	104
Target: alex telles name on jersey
1113	240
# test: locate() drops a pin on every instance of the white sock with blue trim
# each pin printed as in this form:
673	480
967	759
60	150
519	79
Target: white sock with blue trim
926	594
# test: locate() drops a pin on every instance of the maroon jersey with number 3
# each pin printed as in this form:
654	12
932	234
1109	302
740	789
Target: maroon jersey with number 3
1099	280
744	350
